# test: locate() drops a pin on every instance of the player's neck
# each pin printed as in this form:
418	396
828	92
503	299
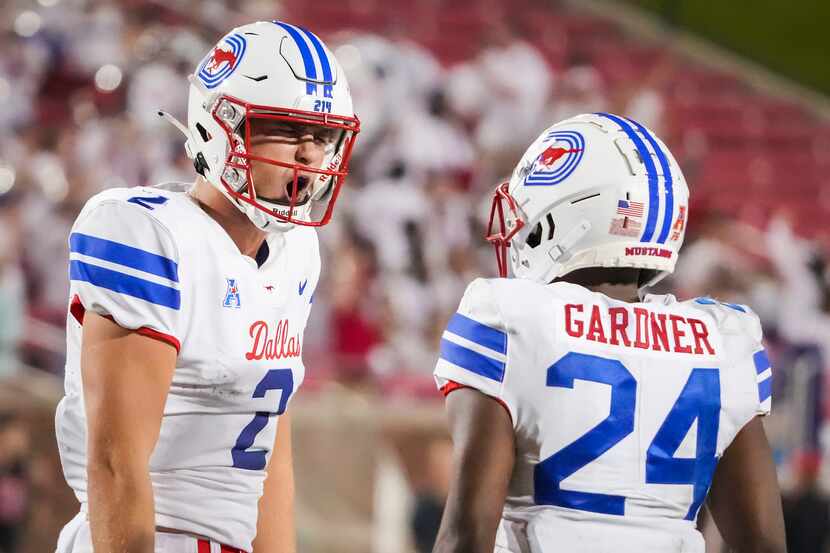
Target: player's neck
622	292
617	283
244	234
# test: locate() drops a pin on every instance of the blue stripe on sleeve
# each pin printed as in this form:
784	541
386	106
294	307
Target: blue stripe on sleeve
710	301
761	361
482	335
765	389
324	61
472	361
122	254
651	171
305	52
667	182
125	284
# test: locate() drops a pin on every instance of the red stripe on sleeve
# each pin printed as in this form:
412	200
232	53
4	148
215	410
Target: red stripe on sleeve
77	310
172	340
452	386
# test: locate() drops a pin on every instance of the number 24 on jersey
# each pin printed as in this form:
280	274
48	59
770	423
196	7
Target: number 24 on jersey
698	400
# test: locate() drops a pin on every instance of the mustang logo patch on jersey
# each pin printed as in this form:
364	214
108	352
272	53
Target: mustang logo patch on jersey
232	295
222	61
559	159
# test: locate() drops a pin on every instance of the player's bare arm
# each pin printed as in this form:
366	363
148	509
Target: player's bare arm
744	500
484	452
209	269
624	402
275	524
126	377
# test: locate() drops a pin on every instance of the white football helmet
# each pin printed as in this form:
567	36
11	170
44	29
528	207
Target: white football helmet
270	70
596	190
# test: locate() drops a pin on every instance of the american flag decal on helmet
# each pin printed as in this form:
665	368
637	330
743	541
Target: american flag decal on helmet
629	208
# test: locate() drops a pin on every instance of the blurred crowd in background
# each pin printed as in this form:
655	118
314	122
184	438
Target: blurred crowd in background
449	94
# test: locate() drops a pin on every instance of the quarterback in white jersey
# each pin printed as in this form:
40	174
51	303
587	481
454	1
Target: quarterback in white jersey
188	305
616	416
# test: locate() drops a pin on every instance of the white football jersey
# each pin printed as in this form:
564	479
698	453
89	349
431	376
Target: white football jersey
621	410
152	260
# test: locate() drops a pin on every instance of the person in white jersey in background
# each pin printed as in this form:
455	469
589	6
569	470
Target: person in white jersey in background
188	305
585	418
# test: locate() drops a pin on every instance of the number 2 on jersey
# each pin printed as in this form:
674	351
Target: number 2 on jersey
275	379
699	400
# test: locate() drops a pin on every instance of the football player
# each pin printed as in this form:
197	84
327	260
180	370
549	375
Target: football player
188	305
586	418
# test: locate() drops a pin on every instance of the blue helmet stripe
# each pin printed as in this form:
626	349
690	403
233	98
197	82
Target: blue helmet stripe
324	61
305	52
651	171
667	182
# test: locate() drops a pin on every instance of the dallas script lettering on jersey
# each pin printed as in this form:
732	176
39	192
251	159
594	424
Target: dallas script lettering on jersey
276	346
655	331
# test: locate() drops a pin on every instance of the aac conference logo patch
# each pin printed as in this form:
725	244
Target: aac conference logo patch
223	61
558	160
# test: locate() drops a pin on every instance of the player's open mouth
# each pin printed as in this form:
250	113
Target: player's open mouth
303	185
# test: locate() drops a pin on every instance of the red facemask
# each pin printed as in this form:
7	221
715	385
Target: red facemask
239	157
505	222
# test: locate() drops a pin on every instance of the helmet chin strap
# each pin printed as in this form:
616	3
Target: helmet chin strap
560	252
182	128
643	290
175	122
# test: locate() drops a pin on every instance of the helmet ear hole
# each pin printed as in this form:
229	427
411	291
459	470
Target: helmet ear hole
200	164
535	237
206	137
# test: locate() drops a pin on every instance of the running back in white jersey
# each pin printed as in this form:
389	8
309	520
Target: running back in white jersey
621	410
153	261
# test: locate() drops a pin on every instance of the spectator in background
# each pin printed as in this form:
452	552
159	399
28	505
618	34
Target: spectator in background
426	139
804	292
507	88
353	331
12	289
429	501
641	98
14	484
721	260
807	508
580	89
